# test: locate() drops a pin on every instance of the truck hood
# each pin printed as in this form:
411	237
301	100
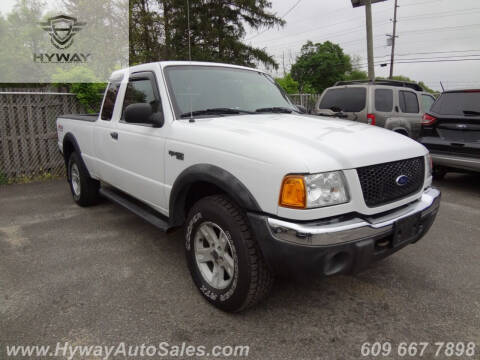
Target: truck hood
319	143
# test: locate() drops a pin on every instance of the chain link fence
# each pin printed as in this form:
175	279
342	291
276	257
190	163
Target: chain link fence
28	136
306	100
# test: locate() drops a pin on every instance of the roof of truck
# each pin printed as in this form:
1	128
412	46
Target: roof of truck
163	64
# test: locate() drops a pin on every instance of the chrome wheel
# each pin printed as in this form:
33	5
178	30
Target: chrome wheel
214	255
75	178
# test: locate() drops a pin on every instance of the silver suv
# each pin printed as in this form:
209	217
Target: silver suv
394	105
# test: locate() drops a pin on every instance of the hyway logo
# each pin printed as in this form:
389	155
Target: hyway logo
62	29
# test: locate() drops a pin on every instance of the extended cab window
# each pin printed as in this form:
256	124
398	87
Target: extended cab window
408	102
142	90
109	102
345	99
384	100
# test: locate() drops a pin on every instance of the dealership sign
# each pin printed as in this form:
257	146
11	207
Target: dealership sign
80	45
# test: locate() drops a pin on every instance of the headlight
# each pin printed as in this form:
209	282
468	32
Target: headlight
312	191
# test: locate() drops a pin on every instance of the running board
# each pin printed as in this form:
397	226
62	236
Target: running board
138	208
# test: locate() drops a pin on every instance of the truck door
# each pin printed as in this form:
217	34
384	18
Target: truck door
104	144
139	152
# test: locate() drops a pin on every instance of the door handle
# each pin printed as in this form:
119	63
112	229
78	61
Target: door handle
114	135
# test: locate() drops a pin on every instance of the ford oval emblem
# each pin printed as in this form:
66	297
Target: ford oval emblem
402	180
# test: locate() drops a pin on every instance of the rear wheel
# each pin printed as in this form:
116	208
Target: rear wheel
402	132
84	188
224	259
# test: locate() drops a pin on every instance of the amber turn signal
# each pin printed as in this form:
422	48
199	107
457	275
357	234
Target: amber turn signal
293	193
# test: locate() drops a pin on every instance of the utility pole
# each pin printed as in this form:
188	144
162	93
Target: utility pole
368	15
394	36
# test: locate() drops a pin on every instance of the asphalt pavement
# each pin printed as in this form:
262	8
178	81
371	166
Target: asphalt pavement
101	275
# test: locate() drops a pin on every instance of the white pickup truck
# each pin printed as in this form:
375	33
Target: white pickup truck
260	188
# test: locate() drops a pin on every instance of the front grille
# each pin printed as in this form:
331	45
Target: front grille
379	182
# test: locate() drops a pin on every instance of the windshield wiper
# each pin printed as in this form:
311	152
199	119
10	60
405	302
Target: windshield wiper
275	109
216	111
471	113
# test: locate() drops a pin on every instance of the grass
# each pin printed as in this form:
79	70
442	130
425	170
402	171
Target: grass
26	179
3	179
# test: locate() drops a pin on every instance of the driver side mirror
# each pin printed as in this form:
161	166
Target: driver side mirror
142	113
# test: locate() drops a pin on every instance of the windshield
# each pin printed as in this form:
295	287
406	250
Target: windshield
458	103
196	88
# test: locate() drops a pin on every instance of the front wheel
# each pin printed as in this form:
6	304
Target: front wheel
224	259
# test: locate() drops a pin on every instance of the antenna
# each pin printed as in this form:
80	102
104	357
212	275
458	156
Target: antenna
189	37
443	89
190	58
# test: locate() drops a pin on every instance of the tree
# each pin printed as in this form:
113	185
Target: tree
19	37
288	84
159	30
320	65
356	75
406	78
145	32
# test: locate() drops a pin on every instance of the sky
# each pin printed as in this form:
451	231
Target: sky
7	5
426	28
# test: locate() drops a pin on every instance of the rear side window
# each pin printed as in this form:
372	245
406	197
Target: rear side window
408	102
346	99
427	102
384	100
457	102
109	102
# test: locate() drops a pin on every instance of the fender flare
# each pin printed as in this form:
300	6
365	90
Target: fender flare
209	174
70	138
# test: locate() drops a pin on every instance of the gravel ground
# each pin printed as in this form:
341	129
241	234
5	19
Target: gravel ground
102	276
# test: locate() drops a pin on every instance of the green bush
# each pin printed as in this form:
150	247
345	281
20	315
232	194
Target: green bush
3	179
89	92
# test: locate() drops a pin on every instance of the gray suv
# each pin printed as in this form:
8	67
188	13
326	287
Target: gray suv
394	105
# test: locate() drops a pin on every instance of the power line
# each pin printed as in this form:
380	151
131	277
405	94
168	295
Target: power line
414	61
424	30
420	3
284	15
450	28
436	52
437	15
291	9
437	61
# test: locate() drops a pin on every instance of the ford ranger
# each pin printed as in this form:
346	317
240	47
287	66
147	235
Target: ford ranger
259	187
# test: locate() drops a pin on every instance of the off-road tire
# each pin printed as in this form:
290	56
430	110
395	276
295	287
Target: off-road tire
88	194
252	280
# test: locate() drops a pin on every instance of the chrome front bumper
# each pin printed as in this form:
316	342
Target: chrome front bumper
337	231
